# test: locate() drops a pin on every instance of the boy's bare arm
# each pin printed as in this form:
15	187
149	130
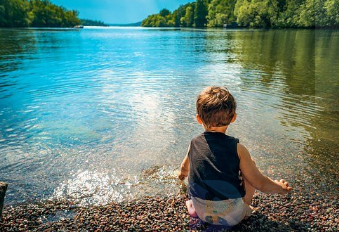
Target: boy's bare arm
258	180
185	167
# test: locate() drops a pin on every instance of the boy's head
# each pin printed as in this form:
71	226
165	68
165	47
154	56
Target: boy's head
216	107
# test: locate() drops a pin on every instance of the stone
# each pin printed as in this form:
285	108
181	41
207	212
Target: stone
3	188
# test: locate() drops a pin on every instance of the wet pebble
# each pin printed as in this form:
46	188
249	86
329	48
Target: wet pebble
273	213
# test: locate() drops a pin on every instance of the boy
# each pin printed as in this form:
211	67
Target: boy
222	174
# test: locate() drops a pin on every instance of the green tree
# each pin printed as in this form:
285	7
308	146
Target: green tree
45	14
89	22
257	13
200	13
250	13
155	20
178	14
164	12
189	17
221	12
289	13
312	14
332	12
2	15
13	13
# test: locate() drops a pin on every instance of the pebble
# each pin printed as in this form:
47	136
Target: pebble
170	214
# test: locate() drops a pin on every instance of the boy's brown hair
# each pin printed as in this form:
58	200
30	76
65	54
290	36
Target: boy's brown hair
216	106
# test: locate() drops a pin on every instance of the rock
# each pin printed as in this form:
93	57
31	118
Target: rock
3	188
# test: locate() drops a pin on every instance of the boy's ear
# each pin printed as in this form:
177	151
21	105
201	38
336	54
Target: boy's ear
234	118
199	119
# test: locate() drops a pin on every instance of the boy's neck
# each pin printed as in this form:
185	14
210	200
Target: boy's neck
222	129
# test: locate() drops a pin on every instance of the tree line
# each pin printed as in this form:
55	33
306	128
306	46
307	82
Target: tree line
36	13
89	22
250	13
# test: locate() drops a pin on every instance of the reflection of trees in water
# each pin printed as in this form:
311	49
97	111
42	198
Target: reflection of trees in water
14	43
300	67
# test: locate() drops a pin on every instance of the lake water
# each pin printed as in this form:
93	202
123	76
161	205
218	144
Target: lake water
106	114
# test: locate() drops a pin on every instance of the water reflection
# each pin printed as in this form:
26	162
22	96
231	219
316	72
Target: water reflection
94	108
300	68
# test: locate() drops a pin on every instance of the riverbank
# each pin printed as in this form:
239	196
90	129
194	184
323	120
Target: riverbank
293	212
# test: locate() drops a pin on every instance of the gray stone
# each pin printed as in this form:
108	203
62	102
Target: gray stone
3	188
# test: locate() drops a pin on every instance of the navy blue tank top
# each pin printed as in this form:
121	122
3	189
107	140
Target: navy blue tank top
214	167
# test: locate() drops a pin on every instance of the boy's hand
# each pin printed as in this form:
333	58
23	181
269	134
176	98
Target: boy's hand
183	173
284	185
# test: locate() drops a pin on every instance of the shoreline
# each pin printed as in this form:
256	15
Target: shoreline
293	212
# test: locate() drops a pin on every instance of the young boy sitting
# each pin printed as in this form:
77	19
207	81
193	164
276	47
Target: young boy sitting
222	175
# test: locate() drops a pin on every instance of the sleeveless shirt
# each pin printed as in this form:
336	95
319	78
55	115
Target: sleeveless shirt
214	167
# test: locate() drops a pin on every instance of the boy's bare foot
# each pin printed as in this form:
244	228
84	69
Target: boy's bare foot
254	209
191	209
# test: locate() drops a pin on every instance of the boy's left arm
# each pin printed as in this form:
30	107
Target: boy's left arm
185	167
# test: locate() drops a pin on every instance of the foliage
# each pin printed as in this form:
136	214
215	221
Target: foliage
250	13
319	13
200	13
164	12
89	22
13	13
183	16
289	13
256	13
188	19
221	12
36	13
332	12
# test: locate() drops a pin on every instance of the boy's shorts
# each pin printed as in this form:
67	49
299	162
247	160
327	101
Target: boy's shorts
227	212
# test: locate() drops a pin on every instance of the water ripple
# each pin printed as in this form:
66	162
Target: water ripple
83	113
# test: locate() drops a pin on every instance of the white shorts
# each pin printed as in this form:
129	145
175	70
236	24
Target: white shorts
227	212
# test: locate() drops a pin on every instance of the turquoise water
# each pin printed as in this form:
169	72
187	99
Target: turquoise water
84	113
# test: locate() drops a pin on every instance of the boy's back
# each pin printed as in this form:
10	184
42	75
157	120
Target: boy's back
214	163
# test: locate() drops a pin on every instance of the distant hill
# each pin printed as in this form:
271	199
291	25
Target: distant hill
89	22
138	24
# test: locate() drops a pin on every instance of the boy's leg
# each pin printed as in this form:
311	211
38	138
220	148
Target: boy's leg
249	192
191	209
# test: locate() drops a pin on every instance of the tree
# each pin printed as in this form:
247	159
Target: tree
332	12
221	12
257	13
39	13
155	20
13	13
44	13
200	13
189	17
313	14
289	13
164	12
250	13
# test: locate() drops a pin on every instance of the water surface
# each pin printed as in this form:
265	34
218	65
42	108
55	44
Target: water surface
106	114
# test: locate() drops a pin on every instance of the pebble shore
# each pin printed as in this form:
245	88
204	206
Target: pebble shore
293	212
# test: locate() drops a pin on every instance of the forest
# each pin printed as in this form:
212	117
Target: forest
89	22
250	13
36	13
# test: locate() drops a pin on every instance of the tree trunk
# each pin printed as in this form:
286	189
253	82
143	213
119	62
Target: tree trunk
3	188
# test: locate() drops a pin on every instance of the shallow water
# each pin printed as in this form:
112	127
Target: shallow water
84	113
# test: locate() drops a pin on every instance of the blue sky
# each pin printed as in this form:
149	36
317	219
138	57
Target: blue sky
119	11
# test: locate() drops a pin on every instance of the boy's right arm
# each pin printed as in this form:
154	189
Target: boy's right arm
253	175
185	165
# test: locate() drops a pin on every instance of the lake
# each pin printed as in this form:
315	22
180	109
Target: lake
107	114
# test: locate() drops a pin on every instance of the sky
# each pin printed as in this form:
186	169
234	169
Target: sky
119	11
